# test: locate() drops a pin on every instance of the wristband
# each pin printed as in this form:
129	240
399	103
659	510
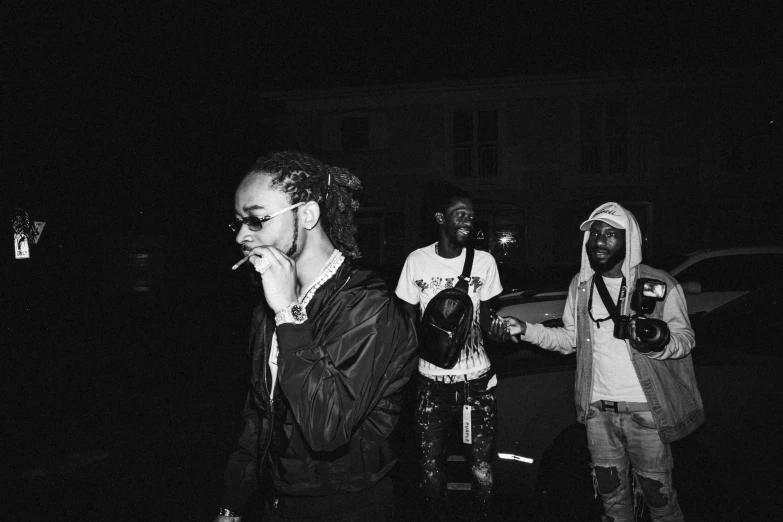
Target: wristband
223	512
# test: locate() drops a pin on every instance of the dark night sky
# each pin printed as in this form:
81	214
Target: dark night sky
122	109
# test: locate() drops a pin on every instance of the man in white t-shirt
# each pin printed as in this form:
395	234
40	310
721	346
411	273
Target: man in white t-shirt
635	388
467	389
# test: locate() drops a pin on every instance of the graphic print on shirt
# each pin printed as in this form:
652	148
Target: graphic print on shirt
439	283
473	342
425	274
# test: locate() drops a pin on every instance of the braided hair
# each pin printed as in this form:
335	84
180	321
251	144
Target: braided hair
304	178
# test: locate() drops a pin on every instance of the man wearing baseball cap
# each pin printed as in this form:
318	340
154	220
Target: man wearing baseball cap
635	386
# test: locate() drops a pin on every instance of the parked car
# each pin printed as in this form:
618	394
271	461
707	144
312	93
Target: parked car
738	368
709	278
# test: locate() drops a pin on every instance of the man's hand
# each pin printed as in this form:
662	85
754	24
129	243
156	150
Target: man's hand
515	327
498	330
221	518
279	278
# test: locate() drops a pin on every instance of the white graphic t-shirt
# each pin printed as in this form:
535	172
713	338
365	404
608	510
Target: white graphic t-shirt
426	273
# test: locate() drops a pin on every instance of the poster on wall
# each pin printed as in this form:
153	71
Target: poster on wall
21	246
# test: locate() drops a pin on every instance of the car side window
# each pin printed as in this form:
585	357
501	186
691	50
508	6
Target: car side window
733	273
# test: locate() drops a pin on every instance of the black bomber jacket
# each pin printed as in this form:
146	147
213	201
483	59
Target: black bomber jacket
337	398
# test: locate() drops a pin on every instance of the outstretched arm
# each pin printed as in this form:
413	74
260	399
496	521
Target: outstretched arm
516	328
561	339
493	325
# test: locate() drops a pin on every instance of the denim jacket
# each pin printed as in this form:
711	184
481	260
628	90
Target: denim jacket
667	378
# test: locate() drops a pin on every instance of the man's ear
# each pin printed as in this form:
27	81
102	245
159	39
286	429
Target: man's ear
311	213
439	218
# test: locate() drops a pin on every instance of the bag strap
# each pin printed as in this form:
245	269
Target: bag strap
464	279
611	307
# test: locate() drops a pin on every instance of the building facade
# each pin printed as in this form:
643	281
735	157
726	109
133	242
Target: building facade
537	153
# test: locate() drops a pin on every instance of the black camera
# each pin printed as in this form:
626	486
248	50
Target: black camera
653	333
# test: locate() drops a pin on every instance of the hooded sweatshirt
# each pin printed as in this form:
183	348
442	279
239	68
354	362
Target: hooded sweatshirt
618	217
667	378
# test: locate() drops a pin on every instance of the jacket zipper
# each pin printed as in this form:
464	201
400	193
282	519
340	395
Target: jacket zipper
271	403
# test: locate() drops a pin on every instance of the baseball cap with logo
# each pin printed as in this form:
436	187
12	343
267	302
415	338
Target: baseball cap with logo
610	213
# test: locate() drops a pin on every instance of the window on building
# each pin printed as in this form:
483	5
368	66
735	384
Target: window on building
475	143
356	131
603	132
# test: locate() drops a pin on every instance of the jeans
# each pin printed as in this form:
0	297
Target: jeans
437	404
616	440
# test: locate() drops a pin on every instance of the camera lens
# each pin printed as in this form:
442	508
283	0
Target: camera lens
652	332
648	333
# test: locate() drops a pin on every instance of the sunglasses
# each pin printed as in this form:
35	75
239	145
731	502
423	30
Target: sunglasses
256	223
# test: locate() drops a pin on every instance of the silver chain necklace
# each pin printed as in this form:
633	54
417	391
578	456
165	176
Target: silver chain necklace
328	270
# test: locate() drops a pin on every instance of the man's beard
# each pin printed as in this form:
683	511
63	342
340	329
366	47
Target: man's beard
291	251
602	265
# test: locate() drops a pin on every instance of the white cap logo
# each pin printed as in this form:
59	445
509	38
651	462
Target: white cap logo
610	213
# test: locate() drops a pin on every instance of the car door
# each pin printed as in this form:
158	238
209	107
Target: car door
727	277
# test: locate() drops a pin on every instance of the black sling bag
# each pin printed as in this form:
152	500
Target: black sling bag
447	321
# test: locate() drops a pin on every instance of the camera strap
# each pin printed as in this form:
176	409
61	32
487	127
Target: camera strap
611	307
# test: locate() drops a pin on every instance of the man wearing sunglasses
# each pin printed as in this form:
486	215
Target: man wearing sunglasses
330	349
